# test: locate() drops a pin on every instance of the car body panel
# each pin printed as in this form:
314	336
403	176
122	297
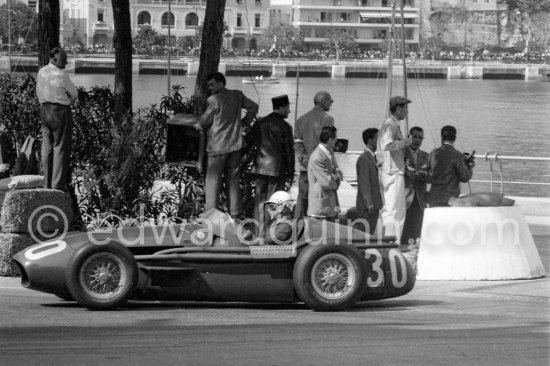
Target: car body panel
173	267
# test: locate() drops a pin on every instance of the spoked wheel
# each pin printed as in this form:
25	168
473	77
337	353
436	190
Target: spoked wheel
329	277
102	278
333	276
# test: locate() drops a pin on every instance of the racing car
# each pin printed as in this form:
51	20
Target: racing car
329	267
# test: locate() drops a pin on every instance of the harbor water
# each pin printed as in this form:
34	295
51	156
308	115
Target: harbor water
509	117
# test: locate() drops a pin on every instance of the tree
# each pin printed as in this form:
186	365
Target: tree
529	6
24	22
210	56
339	40
281	38
122	43
48	29
146	38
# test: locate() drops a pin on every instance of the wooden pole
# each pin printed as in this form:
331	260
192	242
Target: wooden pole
390	61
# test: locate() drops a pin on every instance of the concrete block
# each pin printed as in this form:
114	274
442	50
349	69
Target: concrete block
70	65
477	243
193	68
398	71
222	67
36	212
531	73
10	244
474	72
338	71
454	72
279	70
135	66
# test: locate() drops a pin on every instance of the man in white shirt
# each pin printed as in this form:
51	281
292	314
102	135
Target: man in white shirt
55	91
392	172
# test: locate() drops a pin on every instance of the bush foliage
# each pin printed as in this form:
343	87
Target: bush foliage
114	165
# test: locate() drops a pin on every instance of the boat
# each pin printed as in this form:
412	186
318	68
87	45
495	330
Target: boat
261	80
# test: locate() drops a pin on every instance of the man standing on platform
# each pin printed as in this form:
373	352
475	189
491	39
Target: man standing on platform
369	199
222	121
274	163
324	178
390	149
416	172
306	138
55	91
447	168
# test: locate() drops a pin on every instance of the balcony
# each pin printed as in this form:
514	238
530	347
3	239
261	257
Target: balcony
100	25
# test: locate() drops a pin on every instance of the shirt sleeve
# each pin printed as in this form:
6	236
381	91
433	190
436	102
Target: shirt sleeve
251	110
69	86
389	142
208	116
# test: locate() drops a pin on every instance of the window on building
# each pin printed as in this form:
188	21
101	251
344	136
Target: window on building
144	18
257	20
167	18
240	2
191	20
100	13
343	17
258	2
239	20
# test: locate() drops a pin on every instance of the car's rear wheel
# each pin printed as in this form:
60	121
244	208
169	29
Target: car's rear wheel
329	277
102	277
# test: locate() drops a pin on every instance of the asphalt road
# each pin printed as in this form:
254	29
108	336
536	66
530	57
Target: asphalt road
438	323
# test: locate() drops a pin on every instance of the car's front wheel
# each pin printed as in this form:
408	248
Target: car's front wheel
329	277
102	277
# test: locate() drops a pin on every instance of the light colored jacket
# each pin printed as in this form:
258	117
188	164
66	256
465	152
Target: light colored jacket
390	147
306	133
222	120
323	184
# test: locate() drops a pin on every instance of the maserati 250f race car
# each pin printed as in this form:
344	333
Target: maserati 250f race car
329	267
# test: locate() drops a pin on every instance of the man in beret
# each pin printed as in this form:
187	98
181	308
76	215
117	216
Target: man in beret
274	163
390	146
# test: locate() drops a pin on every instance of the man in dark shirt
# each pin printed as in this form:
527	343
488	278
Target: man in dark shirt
274	163
447	168
222	121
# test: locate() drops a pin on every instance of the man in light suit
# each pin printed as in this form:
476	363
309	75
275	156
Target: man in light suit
323	177
416	172
306	138
369	198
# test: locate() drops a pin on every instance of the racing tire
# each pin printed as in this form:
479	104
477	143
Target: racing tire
329	277
102	277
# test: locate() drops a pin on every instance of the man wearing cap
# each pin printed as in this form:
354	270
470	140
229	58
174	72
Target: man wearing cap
274	163
306	139
390	146
222	121
55	91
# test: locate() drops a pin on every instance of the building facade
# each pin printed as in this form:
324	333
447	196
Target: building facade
91	21
368	21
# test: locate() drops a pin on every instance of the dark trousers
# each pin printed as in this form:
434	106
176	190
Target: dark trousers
228	164
265	186
370	218
57	131
300	209
412	227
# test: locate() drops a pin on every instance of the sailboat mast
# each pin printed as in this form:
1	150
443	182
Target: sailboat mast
403	57
390	60
297	94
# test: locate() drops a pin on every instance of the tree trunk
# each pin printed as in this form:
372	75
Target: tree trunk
122	43
212	39
48	29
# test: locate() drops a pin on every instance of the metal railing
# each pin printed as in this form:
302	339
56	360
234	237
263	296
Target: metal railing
495	161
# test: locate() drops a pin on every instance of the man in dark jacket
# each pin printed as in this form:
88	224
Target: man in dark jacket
447	168
274	164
